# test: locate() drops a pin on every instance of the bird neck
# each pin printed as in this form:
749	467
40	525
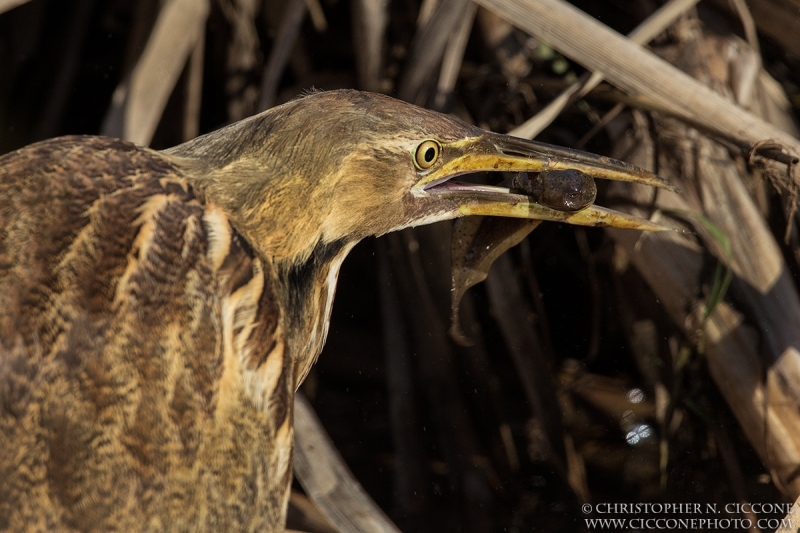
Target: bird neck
285	229
307	289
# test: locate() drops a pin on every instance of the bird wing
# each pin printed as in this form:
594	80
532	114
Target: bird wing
142	375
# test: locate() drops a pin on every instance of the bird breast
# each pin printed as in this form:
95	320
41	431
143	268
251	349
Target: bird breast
144	375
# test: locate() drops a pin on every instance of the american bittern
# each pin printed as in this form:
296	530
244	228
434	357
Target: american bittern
158	310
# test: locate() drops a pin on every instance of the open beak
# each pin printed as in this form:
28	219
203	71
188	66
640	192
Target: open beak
493	152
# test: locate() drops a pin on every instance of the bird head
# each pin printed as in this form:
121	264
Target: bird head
305	181
339	166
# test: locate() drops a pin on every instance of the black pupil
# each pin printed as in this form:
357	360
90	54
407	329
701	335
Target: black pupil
430	153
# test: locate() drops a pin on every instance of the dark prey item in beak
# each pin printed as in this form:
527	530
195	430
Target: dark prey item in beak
563	190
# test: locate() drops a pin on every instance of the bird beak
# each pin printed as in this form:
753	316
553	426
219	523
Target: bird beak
493	152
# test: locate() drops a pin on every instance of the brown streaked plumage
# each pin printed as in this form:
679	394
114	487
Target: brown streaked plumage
159	309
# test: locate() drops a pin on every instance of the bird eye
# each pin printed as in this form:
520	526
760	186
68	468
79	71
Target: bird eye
427	154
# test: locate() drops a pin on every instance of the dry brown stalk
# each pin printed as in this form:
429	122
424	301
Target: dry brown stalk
327	480
138	104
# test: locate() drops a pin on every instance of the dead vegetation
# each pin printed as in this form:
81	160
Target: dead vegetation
603	366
